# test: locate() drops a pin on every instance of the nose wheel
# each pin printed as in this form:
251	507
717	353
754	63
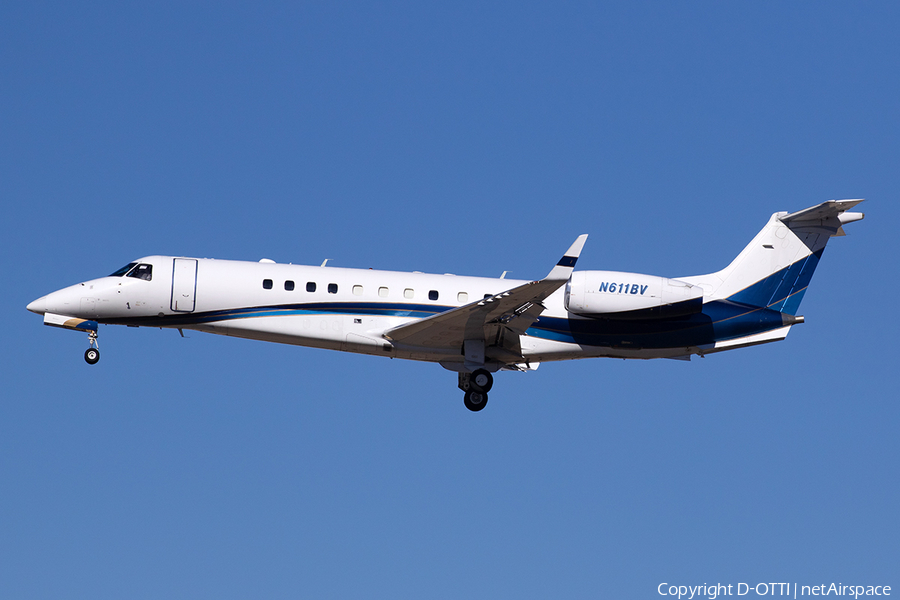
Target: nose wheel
92	354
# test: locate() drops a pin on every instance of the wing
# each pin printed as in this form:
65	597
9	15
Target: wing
498	320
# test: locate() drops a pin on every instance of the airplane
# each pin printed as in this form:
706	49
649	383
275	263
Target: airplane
474	326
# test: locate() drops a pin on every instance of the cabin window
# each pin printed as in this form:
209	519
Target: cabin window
289	285
267	284
462	297
408	293
382	292
144	272
332	288
357	290
433	295
310	286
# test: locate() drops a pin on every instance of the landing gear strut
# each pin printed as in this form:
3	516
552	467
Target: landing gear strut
476	385
92	354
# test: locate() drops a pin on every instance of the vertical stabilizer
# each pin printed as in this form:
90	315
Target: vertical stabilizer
775	268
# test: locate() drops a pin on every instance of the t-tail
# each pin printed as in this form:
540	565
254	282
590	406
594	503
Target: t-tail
775	269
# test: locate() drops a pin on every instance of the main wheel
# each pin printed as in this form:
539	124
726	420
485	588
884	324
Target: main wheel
475	401
482	380
91	356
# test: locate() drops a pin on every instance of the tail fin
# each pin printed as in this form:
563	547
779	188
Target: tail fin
774	270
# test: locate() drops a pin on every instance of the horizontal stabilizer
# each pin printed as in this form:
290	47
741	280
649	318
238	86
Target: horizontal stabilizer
826	210
828	217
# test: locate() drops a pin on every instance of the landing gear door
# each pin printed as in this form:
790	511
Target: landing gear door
184	284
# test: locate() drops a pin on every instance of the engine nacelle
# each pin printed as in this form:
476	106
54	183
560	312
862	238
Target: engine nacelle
612	295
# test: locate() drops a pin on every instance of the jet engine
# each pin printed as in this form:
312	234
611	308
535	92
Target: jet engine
612	295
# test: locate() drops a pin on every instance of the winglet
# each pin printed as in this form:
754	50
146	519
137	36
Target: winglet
566	264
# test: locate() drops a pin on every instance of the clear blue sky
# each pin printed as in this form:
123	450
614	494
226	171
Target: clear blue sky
466	138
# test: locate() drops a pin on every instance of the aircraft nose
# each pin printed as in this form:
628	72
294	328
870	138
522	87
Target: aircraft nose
39	306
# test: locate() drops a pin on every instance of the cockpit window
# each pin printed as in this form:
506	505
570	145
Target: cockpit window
142	271
121	272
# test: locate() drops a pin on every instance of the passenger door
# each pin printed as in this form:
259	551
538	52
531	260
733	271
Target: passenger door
184	284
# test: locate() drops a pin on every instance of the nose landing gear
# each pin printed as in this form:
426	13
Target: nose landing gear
476	385
92	354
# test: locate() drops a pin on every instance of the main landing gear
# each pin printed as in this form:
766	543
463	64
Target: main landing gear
92	354
476	385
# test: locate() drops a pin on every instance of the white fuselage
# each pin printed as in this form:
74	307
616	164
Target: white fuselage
327	307
352	309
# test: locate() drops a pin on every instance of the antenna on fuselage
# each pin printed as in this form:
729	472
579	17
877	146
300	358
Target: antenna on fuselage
324	262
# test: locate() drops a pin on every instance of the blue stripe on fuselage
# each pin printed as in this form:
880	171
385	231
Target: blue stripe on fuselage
284	310
720	320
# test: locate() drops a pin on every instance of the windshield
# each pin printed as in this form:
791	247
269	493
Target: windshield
121	272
